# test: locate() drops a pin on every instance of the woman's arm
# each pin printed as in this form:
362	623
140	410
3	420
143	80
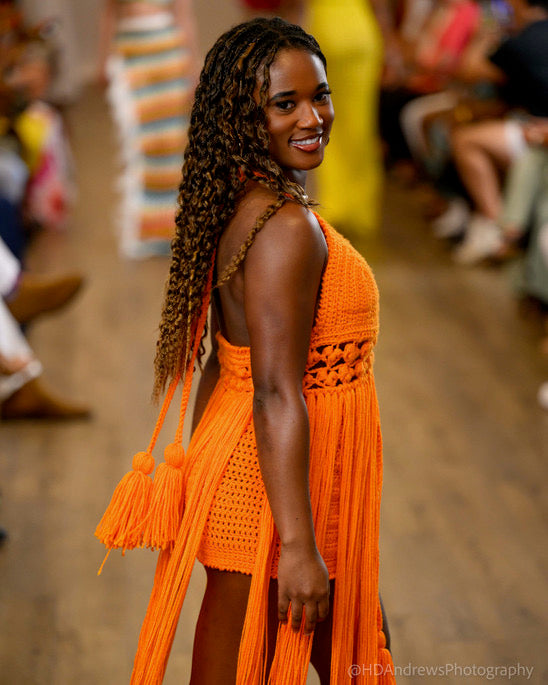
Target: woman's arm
282	274
474	64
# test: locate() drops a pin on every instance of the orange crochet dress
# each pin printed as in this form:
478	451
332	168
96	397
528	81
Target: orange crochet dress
227	522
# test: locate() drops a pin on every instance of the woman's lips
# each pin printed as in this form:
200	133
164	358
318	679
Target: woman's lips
309	144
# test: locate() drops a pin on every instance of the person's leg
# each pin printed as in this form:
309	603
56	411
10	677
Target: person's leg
321	645
15	355
413	116
523	184
219	628
22	395
10	270
480	152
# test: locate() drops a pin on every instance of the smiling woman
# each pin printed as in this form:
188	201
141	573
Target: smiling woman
279	493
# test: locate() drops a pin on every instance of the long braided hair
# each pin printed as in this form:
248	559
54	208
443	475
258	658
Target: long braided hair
228	144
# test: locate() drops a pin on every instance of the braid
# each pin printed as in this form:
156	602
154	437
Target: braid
228	144
239	257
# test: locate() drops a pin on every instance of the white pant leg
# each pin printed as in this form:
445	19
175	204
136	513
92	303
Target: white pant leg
13	345
9	270
13	176
515	138
412	119
543	242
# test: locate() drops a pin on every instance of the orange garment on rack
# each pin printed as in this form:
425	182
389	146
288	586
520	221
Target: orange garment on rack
227	522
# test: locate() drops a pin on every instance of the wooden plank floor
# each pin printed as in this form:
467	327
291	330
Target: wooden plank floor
464	553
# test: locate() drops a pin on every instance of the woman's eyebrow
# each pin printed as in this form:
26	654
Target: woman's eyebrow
288	93
283	94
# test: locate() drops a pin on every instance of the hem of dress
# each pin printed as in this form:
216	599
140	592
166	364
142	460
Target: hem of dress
230	569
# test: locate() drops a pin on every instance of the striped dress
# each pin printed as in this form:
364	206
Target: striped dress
149	93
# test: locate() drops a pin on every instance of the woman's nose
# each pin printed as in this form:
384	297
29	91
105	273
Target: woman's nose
310	117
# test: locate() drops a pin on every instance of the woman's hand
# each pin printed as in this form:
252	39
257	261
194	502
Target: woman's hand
536	132
303	581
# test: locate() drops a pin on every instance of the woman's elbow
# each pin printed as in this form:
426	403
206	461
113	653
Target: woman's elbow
271	394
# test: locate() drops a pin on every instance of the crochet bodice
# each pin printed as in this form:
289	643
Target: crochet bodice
348	307
345	327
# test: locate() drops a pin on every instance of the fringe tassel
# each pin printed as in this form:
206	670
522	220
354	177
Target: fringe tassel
158	630
254	641
167	500
356	638
292	656
345	606
122	522
141	513
168	490
385	668
175	566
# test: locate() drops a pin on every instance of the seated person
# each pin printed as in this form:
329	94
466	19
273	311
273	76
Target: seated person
430	61
22	298
482	151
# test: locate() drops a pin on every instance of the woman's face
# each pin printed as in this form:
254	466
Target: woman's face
299	112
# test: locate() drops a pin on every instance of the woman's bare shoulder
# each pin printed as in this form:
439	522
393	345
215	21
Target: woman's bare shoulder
294	228
291	226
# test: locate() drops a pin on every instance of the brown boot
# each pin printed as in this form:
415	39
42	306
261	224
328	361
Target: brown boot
33	401
40	294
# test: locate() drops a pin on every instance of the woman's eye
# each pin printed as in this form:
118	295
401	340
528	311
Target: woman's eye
284	105
323	96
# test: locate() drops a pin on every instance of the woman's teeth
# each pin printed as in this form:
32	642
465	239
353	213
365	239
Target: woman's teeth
311	142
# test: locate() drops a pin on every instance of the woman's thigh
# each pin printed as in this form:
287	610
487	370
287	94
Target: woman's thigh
220	624
491	137
219	627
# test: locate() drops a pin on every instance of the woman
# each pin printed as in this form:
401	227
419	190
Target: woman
151	72
283	475
350	182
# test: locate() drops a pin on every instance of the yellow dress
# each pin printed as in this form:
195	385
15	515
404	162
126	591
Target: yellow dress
350	178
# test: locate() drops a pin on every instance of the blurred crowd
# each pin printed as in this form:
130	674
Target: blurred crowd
36	191
462	87
464	108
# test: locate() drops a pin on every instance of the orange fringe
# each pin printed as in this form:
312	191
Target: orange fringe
146	513
350	438
121	525
172	579
356	640
167	499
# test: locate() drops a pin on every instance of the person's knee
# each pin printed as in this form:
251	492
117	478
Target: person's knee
462	138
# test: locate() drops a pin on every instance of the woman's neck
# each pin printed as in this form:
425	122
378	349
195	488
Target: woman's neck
297	176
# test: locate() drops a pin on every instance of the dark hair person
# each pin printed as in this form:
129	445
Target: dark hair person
279	493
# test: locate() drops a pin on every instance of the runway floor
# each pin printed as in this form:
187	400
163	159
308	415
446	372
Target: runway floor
464	562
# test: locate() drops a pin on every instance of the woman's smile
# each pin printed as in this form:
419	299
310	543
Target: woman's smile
310	144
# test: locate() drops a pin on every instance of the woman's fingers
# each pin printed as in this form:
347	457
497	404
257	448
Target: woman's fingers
283	607
296	615
313	613
311	616
323	609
